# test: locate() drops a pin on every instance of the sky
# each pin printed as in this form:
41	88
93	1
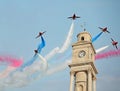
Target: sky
22	20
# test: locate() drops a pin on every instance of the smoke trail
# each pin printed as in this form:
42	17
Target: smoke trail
96	37
6	72
65	45
52	53
40	46
11	61
44	67
68	55
101	49
58	67
110	53
45	64
29	62
17	79
25	77
37	66
68	39
59	50
22	78
65	64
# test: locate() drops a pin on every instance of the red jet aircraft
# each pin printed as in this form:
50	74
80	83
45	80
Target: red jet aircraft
74	17
40	34
104	29
114	43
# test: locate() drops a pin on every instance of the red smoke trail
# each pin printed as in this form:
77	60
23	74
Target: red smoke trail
108	54
14	62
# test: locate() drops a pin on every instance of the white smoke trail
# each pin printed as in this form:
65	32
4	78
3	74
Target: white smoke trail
62	49
37	66
65	45
22	78
101	49
45	64
59	50
6	72
68	39
52	53
16	80
58	67
61	67
65	64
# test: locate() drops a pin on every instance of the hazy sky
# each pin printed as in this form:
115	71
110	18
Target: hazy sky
21	20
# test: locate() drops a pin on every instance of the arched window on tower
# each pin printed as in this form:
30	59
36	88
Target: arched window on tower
82	38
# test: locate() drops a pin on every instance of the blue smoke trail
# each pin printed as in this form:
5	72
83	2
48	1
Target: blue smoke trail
96	37
40	46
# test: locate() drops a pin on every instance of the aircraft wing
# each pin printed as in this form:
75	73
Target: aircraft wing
77	17
70	17
116	46
108	31
37	36
100	28
112	39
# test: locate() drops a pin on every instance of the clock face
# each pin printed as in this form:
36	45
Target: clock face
81	53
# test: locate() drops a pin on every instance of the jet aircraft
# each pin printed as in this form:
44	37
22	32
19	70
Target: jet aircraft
40	34
73	17
114	43
104	29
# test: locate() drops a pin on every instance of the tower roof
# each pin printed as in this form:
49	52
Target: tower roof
84	36
84	32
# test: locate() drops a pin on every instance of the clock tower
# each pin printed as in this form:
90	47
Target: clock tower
82	69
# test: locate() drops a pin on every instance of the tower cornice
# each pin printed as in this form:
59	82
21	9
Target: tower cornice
72	65
83	43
